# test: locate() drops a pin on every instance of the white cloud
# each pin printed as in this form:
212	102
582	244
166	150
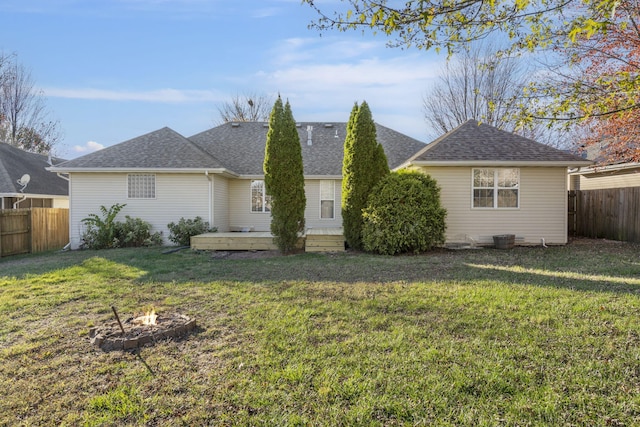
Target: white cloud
89	147
322	50
323	76
393	87
157	96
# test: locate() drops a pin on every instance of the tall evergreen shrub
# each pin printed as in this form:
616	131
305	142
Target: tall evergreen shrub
284	177
364	165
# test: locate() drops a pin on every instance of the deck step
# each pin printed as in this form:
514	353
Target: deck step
324	240
233	242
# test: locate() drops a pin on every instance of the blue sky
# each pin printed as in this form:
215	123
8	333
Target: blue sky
112	70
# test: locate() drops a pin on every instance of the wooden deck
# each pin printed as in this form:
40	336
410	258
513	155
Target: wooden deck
315	240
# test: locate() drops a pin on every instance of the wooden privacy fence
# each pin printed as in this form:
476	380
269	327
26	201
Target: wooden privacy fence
33	230
612	213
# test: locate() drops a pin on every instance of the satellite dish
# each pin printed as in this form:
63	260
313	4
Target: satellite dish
24	180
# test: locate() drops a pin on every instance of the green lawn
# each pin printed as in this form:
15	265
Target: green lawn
529	336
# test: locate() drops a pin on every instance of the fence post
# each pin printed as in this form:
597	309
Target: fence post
30	230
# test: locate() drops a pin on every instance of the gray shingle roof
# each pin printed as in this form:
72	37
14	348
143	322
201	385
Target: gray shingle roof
15	162
478	142
240	146
161	149
239	149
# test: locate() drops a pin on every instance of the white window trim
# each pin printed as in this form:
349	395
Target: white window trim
333	199
155	186
264	198
495	189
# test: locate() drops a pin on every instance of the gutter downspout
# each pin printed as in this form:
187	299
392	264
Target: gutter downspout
15	205
210	197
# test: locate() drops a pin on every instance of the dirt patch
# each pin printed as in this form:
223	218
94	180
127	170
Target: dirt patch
584	241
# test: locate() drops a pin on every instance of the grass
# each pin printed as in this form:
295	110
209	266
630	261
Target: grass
529	336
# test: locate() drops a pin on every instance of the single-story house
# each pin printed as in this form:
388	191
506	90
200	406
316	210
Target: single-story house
26	183
493	182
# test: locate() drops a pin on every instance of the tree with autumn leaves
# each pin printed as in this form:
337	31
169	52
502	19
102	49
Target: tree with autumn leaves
595	86
449	25
606	84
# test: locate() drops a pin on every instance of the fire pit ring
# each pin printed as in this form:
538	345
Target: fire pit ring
109	337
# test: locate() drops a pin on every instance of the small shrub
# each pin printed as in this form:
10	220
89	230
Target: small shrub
403	214
135	232
106	232
181	233
101	232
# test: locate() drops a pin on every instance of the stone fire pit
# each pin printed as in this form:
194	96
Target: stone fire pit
109	336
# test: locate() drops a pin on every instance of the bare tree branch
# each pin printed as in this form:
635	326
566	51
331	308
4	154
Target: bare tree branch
249	107
24	119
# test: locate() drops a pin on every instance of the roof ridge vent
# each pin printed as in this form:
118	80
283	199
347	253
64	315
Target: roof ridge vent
328	125
309	135
298	125
235	124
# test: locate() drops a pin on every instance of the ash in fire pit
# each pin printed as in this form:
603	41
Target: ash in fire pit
141	331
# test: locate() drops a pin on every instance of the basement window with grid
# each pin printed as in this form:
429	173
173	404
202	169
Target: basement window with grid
327	199
141	186
496	188
260	201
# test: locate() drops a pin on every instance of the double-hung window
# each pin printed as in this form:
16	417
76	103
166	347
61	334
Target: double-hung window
496	188
141	186
327	199
260	201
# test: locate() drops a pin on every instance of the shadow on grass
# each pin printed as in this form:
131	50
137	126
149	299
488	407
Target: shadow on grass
588	266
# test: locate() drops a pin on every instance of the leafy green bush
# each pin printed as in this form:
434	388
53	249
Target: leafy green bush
105	232
135	232
101	232
403	214
181	233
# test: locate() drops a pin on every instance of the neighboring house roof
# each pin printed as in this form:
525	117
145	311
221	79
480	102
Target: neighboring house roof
474	143
161	149
631	167
240	146
236	148
14	163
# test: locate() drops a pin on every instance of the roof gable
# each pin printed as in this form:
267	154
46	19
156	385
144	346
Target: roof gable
161	149
479	142
14	163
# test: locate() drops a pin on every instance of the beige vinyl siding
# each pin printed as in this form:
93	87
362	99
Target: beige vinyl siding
240	214
542	213
177	196
312	211
60	202
221	203
619	179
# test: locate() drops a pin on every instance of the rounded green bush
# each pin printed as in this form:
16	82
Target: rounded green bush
403	214
181	233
